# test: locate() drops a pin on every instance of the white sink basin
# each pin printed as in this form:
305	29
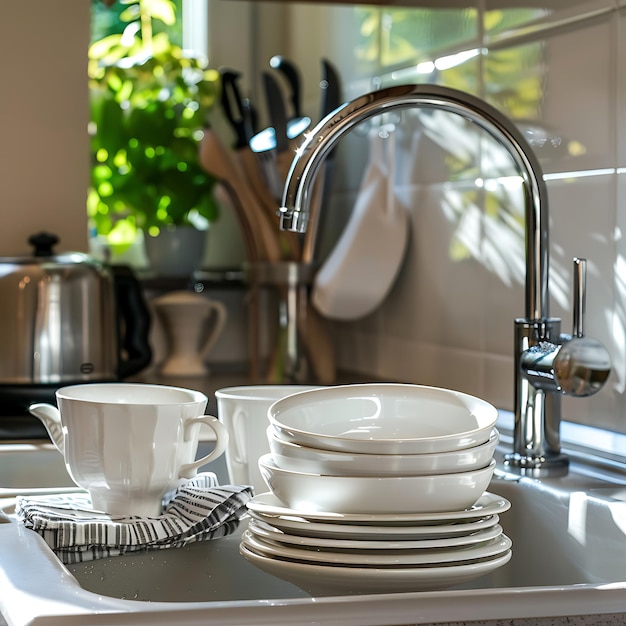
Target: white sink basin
32	465
569	558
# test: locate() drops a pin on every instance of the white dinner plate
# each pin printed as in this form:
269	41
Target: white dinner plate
335	580
488	504
271	533
305	528
378	558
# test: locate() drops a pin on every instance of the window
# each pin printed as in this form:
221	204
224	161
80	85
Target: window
149	100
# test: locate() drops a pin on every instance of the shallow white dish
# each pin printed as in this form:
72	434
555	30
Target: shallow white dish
488	504
269	533
299	458
304	528
374	494
386	418
378	558
320	580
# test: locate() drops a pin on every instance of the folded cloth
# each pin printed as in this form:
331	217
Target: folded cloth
197	510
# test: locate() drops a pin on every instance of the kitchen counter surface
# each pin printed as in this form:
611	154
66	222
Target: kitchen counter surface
17	426
37	590
33	585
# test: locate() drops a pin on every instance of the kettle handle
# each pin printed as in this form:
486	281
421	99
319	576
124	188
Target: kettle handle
133	323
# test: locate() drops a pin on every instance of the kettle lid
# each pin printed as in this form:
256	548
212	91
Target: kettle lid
43	243
44	255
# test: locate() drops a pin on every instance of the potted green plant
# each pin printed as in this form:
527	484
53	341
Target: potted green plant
149	104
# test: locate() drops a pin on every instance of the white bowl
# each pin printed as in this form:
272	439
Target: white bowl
298	458
375	494
386	418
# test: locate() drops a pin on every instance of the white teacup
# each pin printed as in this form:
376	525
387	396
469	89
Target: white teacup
243	410
128	443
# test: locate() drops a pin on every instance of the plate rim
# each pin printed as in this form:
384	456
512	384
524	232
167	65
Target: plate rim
496	504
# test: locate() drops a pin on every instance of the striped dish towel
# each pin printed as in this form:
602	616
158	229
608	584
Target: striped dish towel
197	510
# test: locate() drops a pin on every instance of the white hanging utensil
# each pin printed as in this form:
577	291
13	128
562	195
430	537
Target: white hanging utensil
361	269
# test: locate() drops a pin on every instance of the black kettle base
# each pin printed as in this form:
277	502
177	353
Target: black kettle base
16	422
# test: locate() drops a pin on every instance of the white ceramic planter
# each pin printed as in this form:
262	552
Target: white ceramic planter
176	252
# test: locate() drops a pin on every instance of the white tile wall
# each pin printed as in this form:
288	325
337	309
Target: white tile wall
449	321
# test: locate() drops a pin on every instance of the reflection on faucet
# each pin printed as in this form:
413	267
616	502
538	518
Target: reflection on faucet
539	384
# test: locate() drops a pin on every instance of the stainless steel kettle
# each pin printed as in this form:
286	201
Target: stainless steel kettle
68	318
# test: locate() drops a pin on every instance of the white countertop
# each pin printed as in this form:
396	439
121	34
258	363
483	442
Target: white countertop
219	586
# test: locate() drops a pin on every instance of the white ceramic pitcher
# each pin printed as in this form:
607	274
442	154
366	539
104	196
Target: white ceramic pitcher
192	324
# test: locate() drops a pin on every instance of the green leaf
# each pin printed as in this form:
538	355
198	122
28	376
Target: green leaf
101	48
132	13
146	113
151	125
111	127
163	10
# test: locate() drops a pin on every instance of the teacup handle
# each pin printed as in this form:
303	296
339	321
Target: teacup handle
221	442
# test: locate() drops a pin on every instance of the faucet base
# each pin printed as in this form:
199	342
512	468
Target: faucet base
537	466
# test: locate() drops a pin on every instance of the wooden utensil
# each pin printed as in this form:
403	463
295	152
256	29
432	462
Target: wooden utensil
289	241
317	342
261	237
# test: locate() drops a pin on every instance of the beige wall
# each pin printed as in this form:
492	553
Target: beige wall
44	150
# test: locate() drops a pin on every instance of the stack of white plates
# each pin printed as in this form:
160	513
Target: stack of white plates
330	553
378	487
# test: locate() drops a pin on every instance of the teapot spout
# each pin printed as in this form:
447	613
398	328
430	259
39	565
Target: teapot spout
51	419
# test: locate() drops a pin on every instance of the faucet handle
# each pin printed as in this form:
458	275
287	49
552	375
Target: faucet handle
581	365
576	365
579	297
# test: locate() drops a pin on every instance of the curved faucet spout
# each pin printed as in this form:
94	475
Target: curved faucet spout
543	369
320	141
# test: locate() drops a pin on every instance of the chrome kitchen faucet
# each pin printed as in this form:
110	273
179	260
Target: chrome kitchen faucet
548	364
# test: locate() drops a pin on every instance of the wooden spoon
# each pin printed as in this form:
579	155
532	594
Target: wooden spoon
318	345
289	242
262	239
